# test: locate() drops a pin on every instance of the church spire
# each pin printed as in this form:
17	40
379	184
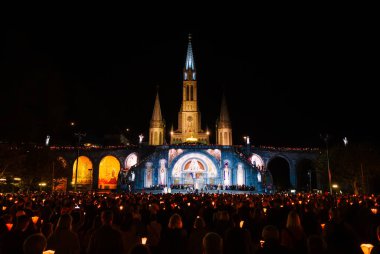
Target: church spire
224	129
157	125
224	116
156	116
189	70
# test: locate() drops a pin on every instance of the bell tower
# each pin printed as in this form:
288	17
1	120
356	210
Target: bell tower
189	117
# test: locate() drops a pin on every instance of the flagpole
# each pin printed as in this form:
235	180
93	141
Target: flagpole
328	163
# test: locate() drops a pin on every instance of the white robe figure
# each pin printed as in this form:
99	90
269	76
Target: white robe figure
162	172
259	177
133	176
226	176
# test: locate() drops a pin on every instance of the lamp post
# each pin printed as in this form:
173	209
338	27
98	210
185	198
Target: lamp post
309	173
79	136
326	139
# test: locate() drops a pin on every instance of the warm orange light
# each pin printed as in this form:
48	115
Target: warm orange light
366	248
9	226
374	210
262	243
121	208
35	219
241	224
144	239
300	202
109	168
48	252
4	208
265	209
188	204
323	226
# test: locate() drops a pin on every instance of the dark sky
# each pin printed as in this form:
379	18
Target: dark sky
288	75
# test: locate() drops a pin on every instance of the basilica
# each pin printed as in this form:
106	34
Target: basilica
189	160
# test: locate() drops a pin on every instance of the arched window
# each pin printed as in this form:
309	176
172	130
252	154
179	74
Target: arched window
109	168
84	176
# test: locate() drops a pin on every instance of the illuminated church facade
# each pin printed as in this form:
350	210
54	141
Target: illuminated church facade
190	160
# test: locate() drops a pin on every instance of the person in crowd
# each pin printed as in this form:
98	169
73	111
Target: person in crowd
64	240
293	236
212	243
106	239
13	240
376	249
47	229
140	249
194	245
339	235
271	242
175	238
316	245
237	239
34	244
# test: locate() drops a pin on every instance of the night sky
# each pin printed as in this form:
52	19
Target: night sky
288	77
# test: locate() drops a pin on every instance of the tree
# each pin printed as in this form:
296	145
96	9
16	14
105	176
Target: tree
351	166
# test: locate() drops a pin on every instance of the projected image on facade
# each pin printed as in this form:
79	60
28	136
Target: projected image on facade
109	168
84	176
130	161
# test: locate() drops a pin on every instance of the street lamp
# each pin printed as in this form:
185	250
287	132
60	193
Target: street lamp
326	139
309	173
79	136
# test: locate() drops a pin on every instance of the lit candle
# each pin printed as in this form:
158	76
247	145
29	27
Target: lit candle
366	248
374	210
262	243
35	219
188	204
121	208
323	226
144	239
241	223
4	208
48	252
9	226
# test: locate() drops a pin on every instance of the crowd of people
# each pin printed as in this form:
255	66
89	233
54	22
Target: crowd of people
187	223
205	187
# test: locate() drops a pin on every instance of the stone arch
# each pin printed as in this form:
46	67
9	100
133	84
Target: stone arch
279	167
85	168
109	168
257	161
130	161
194	168
306	175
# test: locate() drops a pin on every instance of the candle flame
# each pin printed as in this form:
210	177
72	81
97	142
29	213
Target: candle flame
35	219
9	226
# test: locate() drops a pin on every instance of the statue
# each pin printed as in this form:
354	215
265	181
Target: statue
162	172
132	176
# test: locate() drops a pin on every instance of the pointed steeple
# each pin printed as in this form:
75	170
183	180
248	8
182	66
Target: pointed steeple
189	70
224	129
157	125
224	116
156	116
